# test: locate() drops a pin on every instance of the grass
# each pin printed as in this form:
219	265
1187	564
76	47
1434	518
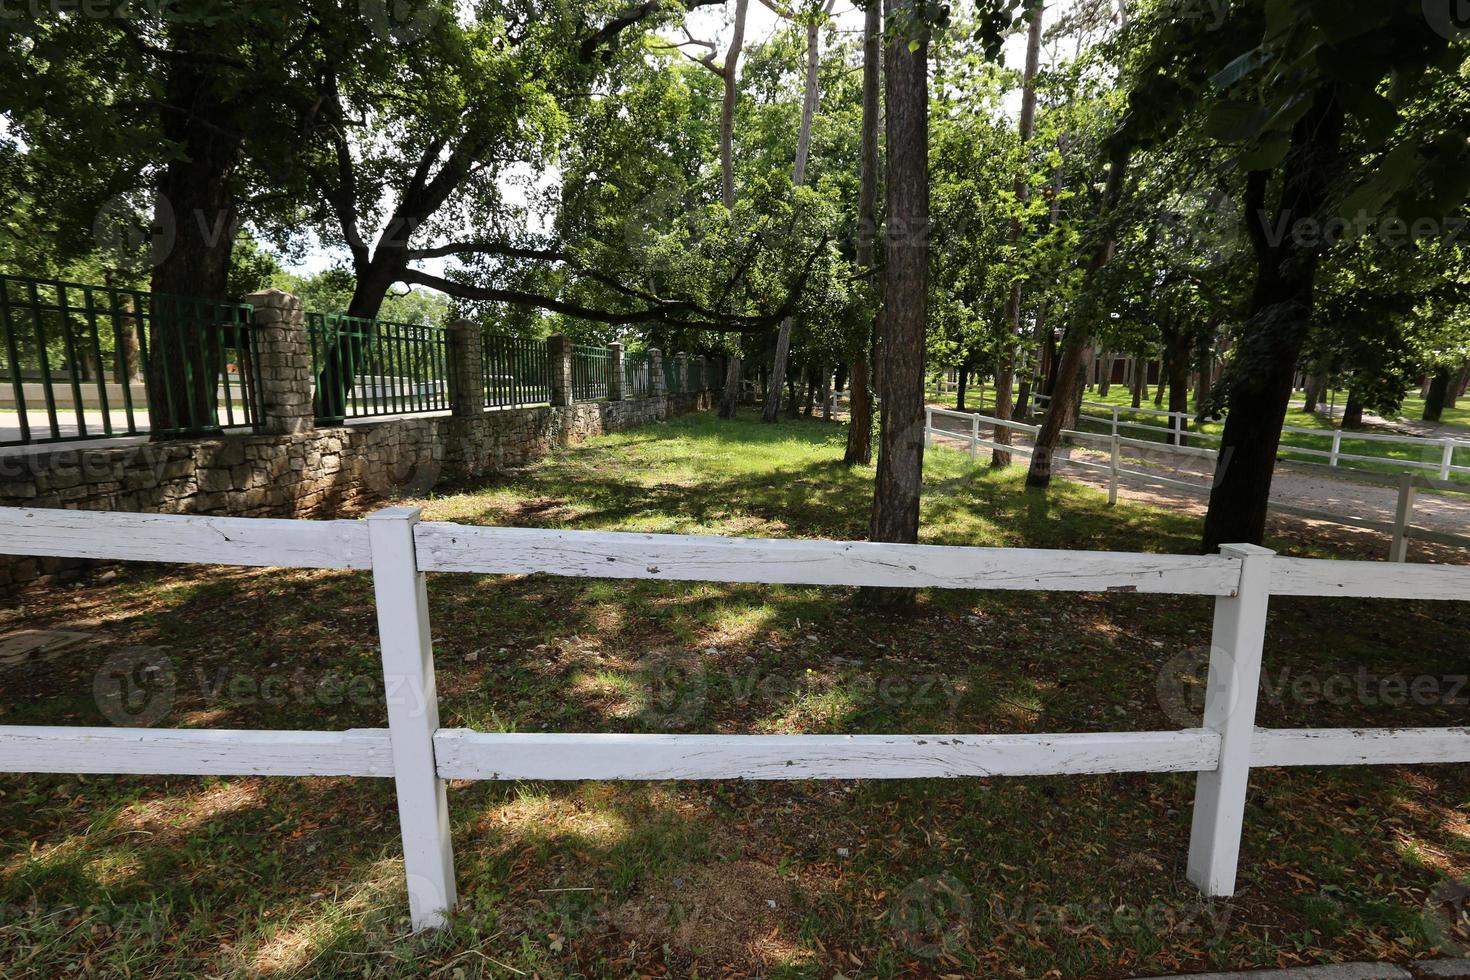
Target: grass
1430	452
1059	877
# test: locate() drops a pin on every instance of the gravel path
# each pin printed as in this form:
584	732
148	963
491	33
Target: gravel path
1291	485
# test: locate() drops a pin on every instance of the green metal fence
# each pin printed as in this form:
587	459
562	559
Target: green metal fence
516	371
365	368
637	375
81	361
589	373
672	382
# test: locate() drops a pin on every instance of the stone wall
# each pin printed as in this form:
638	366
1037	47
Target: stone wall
294	468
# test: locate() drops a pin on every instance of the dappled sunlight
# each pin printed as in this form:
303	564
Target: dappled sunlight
177	817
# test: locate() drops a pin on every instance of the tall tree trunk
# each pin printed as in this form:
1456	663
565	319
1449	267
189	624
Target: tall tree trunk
803	150
1439	391
1005	371
1076	342
1179	391
860	402
730	75
906	286
1352	411
1204	360
196	200
731	72
1043	334
1276	328
1457	388
1312	396
1105	375
730	397
1140	380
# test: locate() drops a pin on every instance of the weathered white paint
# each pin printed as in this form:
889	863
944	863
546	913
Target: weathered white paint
475	755
1359	746
413	716
189	752
183	538
1403	518
1369	579
597	554
1236	646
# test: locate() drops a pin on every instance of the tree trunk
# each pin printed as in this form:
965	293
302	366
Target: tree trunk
1179	394
906	288
1439	391
1352	412
730	397
1005	371
1457	388
1204	359
1140	380
1312	396
1276	328
803	150
196	201
1105	375
859	450
731	71
1068	374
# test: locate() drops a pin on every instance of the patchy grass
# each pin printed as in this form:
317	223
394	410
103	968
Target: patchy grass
1069	877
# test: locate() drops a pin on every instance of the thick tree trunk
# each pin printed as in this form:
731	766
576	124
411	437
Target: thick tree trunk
906	287
1105	375
1279	319
1140	380
1005	371
196	202
1457	388
1312	396
859	450
1352	412
1439	391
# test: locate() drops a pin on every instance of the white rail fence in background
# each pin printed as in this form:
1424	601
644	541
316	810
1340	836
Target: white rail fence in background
419	755
1401	529
1439	454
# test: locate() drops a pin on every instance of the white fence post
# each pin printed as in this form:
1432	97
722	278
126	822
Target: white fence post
1447	460
1115	423
1113	472
1402	518
1336	446
413	715
1230	710
974	437
928	428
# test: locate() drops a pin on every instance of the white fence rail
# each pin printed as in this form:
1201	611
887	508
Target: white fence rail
419	755
1439	454
1401	529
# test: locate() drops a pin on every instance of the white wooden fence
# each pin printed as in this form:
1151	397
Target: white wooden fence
1401	529
1439	454
419	755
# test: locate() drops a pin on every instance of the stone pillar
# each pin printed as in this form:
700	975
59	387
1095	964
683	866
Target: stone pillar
656	386
283	353
702	371
559	350
681	371
614	372
466	373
